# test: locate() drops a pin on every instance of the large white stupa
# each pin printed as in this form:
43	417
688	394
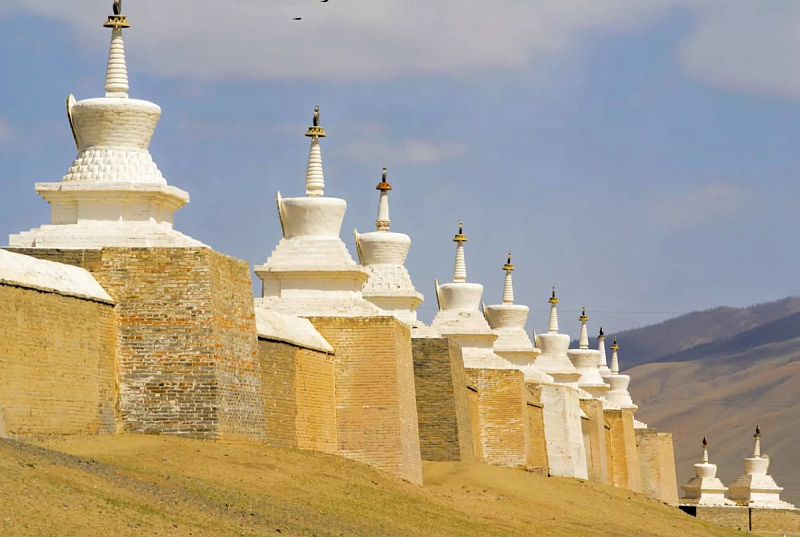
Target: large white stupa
554	360
460	317
587	362
310	272
113	194
508	322
383	253
705	488
756	488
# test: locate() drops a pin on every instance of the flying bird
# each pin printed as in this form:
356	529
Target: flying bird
117	7
298	18
323	1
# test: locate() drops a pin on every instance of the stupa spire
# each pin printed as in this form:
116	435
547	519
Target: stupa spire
757	449
315	180
508	286
614	358
583	342
117	69
553	325
601	346
382	222
705	450
460	268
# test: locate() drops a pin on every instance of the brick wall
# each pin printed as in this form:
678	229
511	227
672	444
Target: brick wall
596	449
475	421
625	472
376	410
746	518
777	520
299	396
669	481
502	412
731	517
57	364
186	339
445	431
649	450
537	444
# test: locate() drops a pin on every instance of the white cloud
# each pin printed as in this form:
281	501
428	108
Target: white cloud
342	39
408	151
709	203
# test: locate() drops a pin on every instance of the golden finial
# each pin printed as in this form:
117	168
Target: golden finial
601	335
553	299
460	237
758	432
615	347
117	20
384	184
583	317
316	129
508	265
705	442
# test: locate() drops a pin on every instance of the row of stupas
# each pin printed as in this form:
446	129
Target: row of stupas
114	195
754	488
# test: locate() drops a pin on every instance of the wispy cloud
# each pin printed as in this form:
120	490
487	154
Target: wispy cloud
707	204
407	151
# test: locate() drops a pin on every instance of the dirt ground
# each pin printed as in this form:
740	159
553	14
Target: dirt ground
162	486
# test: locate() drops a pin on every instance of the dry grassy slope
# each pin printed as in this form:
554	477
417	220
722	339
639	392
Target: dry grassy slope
724	398
144	485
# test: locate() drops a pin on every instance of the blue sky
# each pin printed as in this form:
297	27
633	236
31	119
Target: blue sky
639	155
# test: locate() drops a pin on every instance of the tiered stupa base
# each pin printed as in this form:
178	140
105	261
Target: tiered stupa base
95	234
758	490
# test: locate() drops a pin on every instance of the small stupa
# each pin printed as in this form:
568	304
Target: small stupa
310	272
554	360
601	346
756	488
618	394
586	362
113	194
460	317
705	488
383	253
508	322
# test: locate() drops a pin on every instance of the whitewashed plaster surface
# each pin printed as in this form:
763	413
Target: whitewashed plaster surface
290	329
566	453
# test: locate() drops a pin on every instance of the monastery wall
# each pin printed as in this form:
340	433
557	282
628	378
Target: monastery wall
445	429
566	454
775	520
502	414
475	421
595	440
625	470
57	362
186	339
376	410
778	521
537	444
299	396
669	480
649	450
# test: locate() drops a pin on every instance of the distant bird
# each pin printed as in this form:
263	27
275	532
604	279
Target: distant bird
117	7
298	18
323	1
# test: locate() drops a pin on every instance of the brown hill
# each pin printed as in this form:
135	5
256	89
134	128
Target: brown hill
145	485
723	393
655	342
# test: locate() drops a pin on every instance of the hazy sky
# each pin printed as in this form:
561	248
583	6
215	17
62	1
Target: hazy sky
640	155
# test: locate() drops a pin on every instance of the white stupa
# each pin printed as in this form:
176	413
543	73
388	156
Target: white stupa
508	322
586	362
310	272
601	346
460	317
705	488
113	194
618	394
755	487
554	360
383	253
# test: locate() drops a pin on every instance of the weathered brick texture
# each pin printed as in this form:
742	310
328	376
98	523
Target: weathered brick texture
775	520
299	396
649	451
376	409
669	481
57	363
778	521
186	339
445	430
537	444
731	517
595	440
502	413
625	472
